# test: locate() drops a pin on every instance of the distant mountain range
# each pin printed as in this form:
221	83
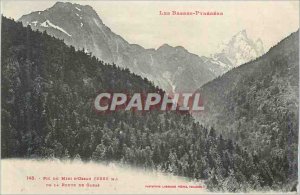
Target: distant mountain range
171	68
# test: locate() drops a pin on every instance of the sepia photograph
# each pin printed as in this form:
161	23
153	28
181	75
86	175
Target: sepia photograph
149	97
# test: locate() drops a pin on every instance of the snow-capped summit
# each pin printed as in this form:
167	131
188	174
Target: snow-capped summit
239	50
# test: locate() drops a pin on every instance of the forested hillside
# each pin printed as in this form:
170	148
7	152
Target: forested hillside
257	105
48	90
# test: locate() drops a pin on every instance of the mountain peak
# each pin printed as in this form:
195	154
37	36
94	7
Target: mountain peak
165	47
240	49
61	4
73	7
241	35
65	5
244	32
69	4
64	15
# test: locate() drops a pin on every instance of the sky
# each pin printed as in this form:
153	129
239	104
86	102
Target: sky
139	22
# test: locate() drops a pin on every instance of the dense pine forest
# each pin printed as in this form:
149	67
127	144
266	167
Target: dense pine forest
257	105
48	90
